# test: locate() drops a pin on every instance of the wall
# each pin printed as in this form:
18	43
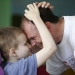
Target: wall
5	13
61	7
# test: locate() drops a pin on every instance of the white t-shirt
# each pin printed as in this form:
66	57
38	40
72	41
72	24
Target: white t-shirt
64	57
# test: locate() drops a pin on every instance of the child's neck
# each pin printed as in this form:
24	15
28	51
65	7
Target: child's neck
13	59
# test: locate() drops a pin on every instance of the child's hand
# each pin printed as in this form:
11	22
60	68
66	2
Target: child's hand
44	5
32	11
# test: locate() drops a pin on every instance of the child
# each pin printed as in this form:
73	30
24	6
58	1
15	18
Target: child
1	70
16	51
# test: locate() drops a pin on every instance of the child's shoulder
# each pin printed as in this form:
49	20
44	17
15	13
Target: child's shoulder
22	61
23	64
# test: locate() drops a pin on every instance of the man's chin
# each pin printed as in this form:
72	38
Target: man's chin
41	47
35	49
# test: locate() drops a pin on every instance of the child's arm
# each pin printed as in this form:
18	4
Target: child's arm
49	46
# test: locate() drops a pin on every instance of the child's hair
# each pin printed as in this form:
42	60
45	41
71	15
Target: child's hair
8	40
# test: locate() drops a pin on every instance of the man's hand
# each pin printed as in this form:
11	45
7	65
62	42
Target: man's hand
44	5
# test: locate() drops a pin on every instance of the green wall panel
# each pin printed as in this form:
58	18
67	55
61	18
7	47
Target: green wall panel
5	13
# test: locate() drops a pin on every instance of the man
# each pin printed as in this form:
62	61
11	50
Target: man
63	31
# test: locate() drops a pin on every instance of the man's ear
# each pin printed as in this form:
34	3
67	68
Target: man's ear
48	25
12	52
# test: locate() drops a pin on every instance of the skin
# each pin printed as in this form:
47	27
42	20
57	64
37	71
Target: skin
49	46
33	34
34	37
22	51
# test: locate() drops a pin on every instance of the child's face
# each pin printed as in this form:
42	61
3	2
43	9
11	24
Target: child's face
23	47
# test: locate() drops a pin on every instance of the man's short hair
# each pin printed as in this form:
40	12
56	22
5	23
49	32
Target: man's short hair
47	15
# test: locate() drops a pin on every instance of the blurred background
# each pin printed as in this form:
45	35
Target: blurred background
11	12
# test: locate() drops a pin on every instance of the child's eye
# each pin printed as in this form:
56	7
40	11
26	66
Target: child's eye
28	41
24	44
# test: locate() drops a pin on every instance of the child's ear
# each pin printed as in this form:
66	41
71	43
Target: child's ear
12	52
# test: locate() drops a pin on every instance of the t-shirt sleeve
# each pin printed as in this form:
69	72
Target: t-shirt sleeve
27	66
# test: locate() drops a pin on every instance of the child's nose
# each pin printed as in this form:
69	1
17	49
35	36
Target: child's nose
28	45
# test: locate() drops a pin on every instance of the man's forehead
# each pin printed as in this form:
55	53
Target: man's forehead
29	25
22	37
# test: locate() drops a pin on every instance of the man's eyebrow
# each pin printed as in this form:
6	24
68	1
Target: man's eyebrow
31	38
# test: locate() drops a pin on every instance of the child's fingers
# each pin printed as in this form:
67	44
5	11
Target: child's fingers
29	7
32	6
26	11
25	15
51	7
39	4
35	5
47	5
44	4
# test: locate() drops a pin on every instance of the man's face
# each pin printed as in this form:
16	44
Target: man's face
32	34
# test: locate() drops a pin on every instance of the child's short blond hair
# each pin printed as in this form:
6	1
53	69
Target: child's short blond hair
8	40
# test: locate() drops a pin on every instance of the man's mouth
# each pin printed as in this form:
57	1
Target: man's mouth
40	46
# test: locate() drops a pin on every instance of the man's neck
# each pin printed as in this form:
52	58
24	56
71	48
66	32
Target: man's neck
60	30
